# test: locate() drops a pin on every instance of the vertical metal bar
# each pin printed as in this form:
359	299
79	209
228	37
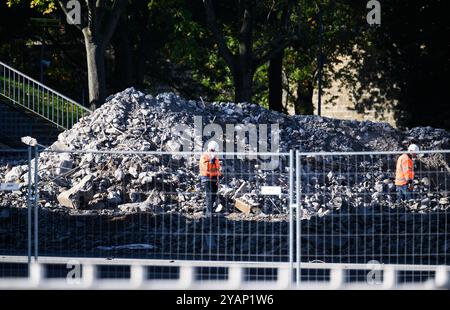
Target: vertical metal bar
38	98
36	198
23	90
57	112
67	114
13	97
53	106
32	91
41	101
18	89
298	217
9	83
4	80
28	98
291	211
71	125
29	207
14	88
48	104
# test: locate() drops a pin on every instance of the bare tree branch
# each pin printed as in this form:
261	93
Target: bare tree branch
212	22
111	24
279	46
245	33
282	42
286	15
91	20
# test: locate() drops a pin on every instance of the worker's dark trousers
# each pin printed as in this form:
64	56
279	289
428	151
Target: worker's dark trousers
403	193
210	187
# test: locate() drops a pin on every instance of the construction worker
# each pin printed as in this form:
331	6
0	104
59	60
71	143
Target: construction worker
209	175
404	174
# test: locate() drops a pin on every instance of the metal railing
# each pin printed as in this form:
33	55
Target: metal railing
89	273
34	96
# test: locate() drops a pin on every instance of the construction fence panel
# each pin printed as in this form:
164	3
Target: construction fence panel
151	205
16	208
348	212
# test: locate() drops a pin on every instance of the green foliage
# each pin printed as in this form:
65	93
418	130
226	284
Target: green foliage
43	6
173	48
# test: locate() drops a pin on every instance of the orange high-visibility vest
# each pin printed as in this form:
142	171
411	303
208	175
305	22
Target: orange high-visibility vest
404	171
208	169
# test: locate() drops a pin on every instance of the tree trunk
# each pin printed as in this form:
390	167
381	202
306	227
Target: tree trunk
123	61
95	53
304	102
243	70
141	54
243	84
276	82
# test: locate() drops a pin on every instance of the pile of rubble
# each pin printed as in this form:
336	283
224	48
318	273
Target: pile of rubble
123	181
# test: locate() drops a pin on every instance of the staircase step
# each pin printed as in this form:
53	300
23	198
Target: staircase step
15	123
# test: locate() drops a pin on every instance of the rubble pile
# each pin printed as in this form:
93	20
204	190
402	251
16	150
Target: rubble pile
330	183
128	183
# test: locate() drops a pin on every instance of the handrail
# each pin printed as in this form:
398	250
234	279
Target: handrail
39	98
44	86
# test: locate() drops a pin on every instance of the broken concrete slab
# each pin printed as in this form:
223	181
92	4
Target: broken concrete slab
246	207
79	195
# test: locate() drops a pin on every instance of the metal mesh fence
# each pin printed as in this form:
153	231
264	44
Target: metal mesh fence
152	205
15	208
351	211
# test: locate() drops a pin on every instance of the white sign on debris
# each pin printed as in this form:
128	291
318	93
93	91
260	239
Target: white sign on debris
9	187
271	190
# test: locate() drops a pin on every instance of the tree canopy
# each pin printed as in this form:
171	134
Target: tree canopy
238	50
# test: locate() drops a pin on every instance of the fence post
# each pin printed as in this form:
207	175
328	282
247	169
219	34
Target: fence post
291	214
36	199
298	217
29	207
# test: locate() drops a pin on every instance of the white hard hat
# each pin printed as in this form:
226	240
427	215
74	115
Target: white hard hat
413	148
213	146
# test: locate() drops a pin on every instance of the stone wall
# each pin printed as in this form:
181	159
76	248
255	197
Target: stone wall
341	101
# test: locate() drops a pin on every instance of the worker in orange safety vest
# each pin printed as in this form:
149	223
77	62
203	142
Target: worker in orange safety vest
404	173
209	175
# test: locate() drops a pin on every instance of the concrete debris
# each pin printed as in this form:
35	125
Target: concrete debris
133	121
242	206
79	195
15	173
64	164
